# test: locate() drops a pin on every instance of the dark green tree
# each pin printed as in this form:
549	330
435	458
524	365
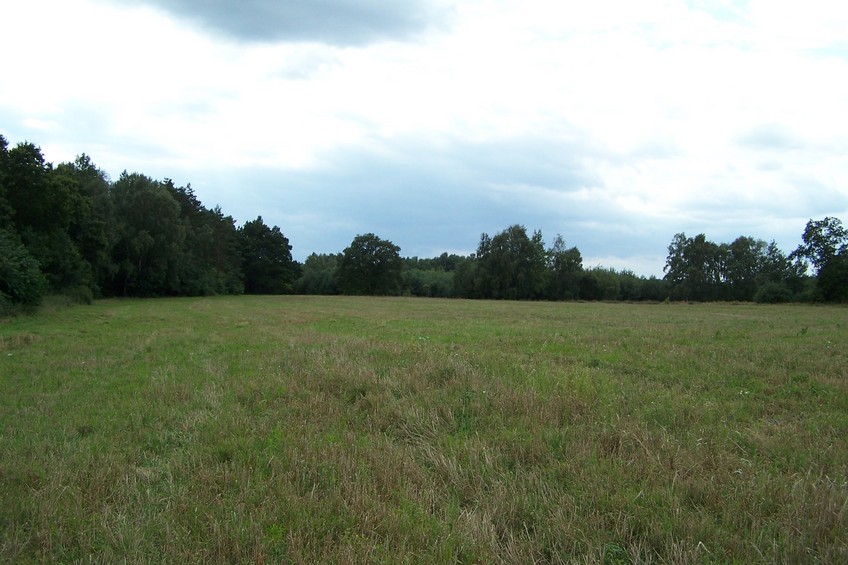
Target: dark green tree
779	279
465	280
654	289
694	268
833	278
825	246
21	279
225	252
6	210
428	282
92	226
150	236
565	265
599	283
511	265
267	261
823	240
318	275
43	205
38	204
371	266
745	259
211	260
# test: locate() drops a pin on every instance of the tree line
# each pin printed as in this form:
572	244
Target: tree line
70	230
516	265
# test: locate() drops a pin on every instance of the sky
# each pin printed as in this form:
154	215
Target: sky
615	124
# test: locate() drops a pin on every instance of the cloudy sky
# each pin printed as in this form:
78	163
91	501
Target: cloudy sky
428	122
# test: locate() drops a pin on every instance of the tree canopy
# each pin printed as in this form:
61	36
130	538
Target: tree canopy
69	230
370	265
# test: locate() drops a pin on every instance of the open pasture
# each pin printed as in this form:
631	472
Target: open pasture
368	430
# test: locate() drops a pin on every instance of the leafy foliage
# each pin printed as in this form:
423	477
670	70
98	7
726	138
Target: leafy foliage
318	274
746	269
511	265
370	265
825	246
266	259
21	279
88	237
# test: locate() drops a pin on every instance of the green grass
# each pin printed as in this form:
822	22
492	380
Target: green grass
353	430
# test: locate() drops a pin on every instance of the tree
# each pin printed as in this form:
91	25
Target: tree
745	258
565	266
267	262
21	280
6	210
779	278
318	275
465	278
44	204
92	225
428	282
511	265
833	278
694	267
38	203
826	248
211	260
371	266
149	247
823	240
599	283
226	252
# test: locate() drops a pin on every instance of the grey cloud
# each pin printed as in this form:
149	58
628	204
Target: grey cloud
337	22
430	200
427	199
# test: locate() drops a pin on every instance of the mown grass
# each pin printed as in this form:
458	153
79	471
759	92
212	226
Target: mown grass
353	430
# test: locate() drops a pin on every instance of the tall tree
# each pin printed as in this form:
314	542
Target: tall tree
267	261
318	275
211	262
694	267
823	240
92	226
745	258
370	265
149	246
565	265
6	210
43	204
825	246
511	265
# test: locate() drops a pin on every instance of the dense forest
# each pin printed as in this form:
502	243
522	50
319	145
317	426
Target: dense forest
69	230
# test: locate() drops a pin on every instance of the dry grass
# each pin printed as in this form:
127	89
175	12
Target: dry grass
355	430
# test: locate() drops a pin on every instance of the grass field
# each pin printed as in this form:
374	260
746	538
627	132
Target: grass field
359	430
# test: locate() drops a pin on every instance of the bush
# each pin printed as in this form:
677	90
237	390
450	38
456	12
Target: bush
773	293
21	279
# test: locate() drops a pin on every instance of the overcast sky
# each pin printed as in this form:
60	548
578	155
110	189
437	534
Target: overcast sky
428	122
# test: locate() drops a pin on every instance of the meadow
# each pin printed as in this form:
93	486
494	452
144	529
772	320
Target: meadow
395	430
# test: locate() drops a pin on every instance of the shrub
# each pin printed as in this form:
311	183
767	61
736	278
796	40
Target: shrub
773	293
21	279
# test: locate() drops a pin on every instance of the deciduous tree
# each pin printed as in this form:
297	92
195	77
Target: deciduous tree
370	265
266	259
